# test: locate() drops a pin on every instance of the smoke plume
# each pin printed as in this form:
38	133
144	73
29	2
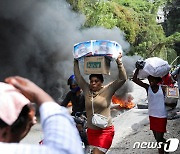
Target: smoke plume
37	38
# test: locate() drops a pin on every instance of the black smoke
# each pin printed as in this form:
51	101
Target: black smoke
37	38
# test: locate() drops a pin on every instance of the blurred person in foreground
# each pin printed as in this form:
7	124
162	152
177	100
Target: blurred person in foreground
156	106
17	114
60	134
100	96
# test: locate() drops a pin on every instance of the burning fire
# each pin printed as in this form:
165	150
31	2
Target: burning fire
123	103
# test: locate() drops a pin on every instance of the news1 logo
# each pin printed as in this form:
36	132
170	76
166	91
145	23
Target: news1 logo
171	145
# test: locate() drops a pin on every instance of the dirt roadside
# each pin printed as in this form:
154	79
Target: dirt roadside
126	145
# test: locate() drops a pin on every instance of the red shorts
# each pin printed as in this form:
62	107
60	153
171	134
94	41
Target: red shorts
158	124
101	138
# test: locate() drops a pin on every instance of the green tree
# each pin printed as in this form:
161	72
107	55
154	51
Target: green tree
136	18
172	25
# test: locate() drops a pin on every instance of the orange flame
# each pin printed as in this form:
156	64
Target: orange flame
128	104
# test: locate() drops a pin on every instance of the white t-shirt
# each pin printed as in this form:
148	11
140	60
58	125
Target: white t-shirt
156	104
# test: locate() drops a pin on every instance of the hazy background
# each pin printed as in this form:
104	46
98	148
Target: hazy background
37	38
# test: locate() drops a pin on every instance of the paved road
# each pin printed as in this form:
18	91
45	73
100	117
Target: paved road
34	136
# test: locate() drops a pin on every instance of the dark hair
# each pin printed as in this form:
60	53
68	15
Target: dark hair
3	124
99	76
158	79
21	120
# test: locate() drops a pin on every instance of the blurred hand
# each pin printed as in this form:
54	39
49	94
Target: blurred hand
120	56
140	64
29	89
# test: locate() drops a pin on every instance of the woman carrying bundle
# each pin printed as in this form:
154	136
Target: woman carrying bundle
98	100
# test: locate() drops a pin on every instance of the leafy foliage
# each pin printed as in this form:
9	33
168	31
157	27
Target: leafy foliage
172	24
137	18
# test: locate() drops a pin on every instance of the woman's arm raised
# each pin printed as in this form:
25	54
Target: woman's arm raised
80	80
122	77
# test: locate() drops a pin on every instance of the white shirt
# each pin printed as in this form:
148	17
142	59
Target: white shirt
60	134
156	104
